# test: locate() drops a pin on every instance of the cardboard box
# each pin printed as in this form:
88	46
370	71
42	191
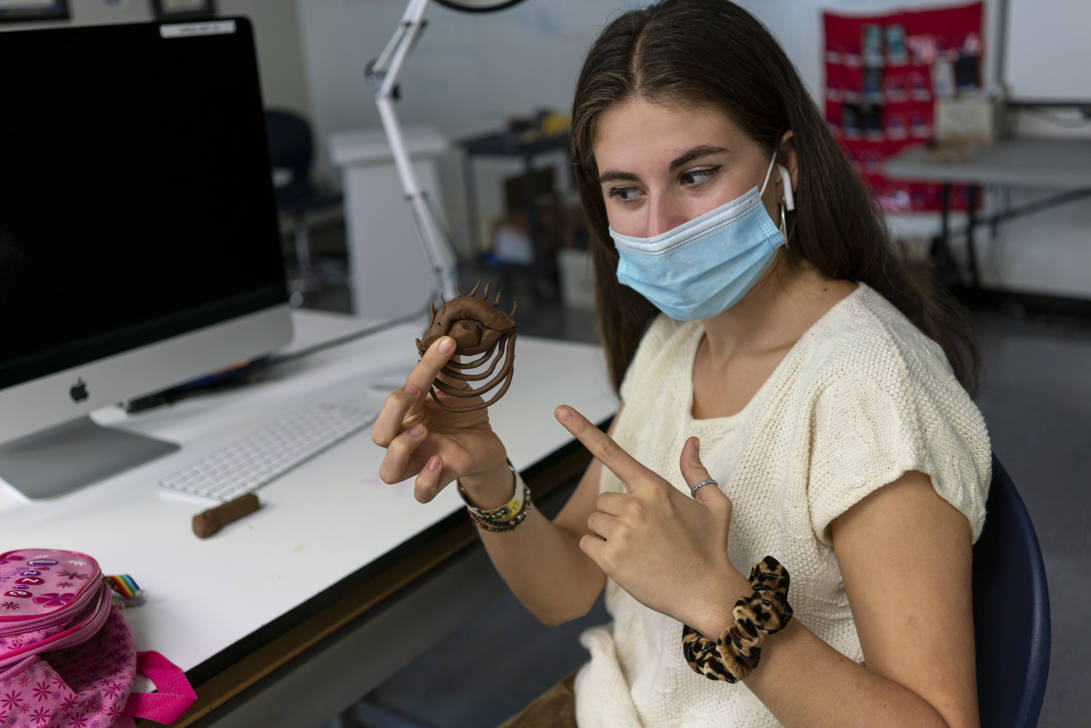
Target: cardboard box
970	120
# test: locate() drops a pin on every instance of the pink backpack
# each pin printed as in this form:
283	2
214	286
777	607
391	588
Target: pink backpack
67	658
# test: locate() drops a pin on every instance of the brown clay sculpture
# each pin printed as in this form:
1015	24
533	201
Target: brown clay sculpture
478	327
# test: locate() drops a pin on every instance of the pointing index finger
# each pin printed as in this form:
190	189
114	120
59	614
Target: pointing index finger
434	359
601	446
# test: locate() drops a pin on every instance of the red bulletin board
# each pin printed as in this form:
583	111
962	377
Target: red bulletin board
883	75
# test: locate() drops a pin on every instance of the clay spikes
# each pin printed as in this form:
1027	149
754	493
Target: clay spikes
478	327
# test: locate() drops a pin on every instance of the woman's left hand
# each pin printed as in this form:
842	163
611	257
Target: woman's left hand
667	550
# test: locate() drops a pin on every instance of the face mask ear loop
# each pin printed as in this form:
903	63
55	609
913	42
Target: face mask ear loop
768	171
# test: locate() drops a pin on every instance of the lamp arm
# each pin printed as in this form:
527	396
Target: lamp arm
384	70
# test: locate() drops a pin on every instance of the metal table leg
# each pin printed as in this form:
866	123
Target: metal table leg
971	222
946	268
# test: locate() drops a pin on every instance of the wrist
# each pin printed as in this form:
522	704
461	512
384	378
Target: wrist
733	654
712	616
505	517
492	488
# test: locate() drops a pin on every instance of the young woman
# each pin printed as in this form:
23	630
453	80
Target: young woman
786	392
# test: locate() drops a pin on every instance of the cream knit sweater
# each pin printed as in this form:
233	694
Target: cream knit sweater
860	399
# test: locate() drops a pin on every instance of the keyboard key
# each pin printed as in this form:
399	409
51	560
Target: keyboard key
270	451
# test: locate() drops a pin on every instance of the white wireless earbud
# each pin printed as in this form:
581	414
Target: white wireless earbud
786	185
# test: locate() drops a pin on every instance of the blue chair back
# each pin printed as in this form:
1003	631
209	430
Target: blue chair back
1011	610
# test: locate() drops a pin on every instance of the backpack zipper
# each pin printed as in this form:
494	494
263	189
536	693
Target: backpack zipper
23	623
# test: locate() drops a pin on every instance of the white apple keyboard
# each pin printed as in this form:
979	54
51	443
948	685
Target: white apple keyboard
269	451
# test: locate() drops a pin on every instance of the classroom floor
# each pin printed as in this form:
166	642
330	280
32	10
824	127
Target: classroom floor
1036	399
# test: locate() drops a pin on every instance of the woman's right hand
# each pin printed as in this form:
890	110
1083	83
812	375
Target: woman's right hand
437	445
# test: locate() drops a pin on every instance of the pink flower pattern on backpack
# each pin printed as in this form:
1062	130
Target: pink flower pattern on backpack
53	599
68	660
97	686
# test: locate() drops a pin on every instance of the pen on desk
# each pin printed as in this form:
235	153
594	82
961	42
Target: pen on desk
209	522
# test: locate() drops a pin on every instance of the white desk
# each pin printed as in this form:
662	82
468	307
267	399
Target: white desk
319	525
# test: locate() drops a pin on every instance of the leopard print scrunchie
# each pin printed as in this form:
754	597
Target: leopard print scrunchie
736	653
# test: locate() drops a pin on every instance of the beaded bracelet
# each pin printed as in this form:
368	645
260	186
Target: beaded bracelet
736	653
507	516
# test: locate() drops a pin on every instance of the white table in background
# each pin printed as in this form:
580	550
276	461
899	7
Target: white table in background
1058	164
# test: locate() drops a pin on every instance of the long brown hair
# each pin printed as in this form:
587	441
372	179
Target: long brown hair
713	52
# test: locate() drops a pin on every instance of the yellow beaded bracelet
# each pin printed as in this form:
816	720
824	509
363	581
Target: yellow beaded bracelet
505	517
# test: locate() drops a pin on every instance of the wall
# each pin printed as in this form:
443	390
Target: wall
468	72
467	75
276	35
1037	70
280	50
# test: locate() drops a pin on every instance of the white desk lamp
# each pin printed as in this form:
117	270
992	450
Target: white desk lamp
383	71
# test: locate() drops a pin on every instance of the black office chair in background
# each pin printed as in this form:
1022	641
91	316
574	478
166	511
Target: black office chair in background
1011	610
291	151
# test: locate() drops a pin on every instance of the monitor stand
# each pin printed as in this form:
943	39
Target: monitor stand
71	455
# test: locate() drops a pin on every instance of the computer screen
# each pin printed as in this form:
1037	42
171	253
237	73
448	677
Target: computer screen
139	241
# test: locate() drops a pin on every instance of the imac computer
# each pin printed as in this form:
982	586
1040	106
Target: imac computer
139	241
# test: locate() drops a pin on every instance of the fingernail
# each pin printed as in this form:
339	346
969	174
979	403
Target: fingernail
417	430
411	390
433	463
564	414
446	344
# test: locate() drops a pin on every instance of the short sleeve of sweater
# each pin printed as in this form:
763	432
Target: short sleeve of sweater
887	410
653	344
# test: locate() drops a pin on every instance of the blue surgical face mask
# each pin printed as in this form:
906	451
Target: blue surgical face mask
706	265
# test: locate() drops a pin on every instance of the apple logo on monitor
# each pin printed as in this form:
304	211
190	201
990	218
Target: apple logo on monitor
78	391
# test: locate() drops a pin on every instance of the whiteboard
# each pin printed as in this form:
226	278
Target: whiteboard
1047	50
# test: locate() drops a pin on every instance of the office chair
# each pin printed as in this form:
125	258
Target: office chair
1011	610
291	151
